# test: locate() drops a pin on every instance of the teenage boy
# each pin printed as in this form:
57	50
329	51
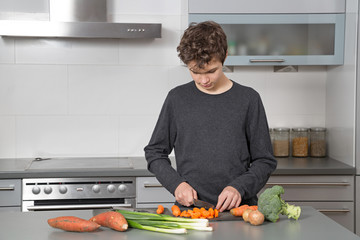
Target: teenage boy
216	127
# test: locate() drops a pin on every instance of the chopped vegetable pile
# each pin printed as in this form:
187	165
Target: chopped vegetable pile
199	213
271	205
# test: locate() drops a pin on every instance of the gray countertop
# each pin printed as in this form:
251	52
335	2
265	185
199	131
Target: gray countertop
311	225
18	168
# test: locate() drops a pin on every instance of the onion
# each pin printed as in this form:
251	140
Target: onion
256	217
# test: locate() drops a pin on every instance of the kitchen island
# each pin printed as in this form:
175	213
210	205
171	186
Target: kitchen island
311	225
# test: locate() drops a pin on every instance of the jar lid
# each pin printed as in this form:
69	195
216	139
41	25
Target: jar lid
300	129
317	129
280	129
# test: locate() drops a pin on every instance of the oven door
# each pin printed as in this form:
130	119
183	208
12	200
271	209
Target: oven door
76	204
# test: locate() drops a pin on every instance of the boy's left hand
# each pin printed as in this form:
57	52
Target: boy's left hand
228	199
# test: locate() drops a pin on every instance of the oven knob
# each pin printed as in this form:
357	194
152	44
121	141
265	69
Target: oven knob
63	189
96	188
111	188
47	190
35	190
122	188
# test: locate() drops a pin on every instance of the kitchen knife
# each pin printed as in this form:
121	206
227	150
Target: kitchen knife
200	204
146	210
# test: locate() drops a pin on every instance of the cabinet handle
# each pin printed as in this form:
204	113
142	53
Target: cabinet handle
266	60
10	188
75	207
310	184
334	210
152	185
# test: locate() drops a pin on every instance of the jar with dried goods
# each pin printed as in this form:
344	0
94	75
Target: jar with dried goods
300	142
281	142
317	142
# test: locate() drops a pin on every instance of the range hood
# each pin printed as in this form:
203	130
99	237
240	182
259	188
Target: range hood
78	19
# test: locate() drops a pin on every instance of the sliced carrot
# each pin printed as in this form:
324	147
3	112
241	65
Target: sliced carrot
211	212
216	213
175	210
160	209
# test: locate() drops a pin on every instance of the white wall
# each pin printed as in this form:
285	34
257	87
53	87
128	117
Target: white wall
61	97
341	92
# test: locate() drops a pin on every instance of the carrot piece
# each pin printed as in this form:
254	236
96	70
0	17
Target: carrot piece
195	209
196	215
238	211
205	214
111	219
216	213
160	209
211	212
183	213
253	207
73	224
175	210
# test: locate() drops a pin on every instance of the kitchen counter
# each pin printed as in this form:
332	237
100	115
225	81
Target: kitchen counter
311	225
18	168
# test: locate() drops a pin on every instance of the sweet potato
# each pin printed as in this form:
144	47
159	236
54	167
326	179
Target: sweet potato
111	219
73	224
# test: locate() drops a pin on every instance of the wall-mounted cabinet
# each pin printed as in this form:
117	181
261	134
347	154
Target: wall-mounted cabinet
281	39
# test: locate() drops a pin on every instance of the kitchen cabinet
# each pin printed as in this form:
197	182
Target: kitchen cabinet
150	193
332	195
10	195
263	33
281	39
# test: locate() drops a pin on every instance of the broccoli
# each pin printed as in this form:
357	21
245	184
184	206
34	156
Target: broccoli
271	205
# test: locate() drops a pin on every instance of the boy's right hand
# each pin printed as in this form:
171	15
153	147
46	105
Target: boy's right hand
185	194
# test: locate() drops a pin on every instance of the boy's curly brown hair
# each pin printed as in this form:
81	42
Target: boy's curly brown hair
202	43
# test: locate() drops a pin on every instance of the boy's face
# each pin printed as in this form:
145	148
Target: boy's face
209	78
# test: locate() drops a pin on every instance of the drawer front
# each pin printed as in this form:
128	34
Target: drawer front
10	192
149	190
340	212
314	188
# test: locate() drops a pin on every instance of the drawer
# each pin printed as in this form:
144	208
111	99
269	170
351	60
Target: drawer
149	190
340	212
10	192
314	188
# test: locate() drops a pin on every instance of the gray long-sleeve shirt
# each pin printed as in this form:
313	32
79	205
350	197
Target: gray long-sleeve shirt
219	140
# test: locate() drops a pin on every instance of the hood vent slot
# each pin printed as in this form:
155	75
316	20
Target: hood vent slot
78	19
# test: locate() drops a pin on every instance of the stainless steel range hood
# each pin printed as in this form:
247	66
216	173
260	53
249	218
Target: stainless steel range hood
78	19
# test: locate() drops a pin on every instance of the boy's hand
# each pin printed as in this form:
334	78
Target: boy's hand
228	199
185	194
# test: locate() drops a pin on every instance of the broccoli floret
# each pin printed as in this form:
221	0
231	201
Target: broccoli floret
271	205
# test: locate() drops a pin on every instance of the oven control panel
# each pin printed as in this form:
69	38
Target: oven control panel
78	188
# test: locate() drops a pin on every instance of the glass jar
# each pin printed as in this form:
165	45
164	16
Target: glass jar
271	132
300	142
317	142
281	142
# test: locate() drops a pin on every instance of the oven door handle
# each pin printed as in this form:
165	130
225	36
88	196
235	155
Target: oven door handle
76	207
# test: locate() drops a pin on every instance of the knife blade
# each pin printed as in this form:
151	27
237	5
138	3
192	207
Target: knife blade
145	210
200	204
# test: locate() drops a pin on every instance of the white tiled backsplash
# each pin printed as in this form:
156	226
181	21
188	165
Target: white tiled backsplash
62	97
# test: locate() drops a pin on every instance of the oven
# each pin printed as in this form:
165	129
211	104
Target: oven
44	194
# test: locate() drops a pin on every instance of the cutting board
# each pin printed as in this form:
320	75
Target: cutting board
223	216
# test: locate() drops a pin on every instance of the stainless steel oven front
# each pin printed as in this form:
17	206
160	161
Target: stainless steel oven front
41	194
